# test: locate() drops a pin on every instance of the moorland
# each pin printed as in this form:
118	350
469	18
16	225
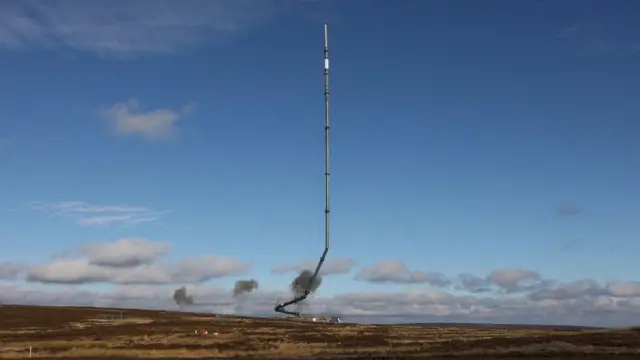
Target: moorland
101	333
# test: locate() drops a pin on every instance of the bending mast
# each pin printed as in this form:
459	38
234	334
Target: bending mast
327	176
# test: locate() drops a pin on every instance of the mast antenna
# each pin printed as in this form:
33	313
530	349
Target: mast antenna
327	177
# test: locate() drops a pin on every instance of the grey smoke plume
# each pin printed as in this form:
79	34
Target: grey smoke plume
181	298
244	286
302	281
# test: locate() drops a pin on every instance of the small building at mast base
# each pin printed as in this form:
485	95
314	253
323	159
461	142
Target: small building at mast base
324	319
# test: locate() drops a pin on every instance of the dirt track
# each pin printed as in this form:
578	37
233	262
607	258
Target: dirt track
89	333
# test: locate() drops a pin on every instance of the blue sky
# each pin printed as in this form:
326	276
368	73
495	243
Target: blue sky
467	136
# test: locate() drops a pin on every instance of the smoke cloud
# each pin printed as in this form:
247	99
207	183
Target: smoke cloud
244	286
302	282
181	297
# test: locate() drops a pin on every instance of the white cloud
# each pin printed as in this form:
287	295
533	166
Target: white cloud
472	283
125	252
10	270
509	280
624	289
127	118
94	215
514	280
569	291
393	271
125	28
132	261
82	271
330	267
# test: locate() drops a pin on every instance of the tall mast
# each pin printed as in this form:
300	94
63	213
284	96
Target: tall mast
327	128
327	176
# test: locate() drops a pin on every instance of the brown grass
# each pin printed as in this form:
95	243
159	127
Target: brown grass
82	333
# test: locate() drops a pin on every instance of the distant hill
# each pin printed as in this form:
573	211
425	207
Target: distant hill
345	319
505	326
